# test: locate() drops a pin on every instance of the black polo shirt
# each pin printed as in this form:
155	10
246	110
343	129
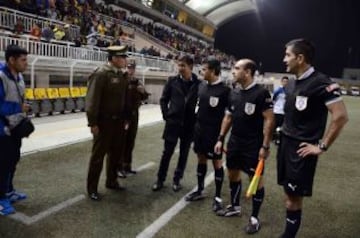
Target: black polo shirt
246	107
305	106
213	100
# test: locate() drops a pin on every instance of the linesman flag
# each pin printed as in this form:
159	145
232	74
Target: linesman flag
256	178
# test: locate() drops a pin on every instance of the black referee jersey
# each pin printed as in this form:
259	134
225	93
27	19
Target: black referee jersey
213	100
246	107
305	106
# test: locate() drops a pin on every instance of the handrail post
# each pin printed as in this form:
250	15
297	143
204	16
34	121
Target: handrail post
32	76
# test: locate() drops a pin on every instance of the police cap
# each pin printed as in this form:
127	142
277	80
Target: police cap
117	50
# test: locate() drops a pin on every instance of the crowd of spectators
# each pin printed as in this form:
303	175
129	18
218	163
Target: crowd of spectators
94	30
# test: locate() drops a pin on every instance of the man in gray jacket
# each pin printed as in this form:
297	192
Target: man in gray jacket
12	112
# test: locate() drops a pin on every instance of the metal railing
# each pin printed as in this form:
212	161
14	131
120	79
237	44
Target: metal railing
9	18
47	54
59	49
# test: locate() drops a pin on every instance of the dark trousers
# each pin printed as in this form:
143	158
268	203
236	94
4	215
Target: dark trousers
10	155
279	119
130	136
169	147
109	141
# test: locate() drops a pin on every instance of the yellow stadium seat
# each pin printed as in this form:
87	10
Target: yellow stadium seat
40	93
83	91
64	92
29	94
53	93
75	92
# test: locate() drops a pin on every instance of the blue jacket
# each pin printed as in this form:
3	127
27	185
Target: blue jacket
6	107
278	91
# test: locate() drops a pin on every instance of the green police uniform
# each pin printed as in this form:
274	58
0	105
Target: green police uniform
106	108
136	95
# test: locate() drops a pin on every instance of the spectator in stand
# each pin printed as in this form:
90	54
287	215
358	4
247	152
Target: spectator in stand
42	7
77	41
19	27
47	33
92	40
101	28
68	33
59	32
101	42
144	50
93	28
118	41
35	32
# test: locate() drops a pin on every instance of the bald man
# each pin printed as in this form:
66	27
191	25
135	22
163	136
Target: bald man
251	117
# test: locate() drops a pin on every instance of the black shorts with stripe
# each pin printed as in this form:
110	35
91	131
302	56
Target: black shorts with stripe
205	139
242	155
295	174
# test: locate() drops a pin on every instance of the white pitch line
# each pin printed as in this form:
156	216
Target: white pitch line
19	216
30	220
145	166
151	230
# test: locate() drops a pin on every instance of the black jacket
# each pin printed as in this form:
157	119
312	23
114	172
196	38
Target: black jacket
177	107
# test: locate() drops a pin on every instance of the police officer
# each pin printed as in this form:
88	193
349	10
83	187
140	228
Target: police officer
213	99
107	112
178	102
309	98
136	95
251	116
13	111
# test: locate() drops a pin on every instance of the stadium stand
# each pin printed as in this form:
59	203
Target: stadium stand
66	40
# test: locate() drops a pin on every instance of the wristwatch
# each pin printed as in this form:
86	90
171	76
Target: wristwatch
322	146
265	147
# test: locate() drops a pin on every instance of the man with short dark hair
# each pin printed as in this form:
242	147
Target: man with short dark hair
309	98
279	102
178	102
12	111
107	112
251	116
213	99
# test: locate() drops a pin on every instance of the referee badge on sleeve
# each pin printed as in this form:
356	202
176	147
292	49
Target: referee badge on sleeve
213	101
249	108
301	103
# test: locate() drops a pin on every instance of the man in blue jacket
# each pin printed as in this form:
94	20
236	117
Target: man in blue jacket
178	102
279	102
12	112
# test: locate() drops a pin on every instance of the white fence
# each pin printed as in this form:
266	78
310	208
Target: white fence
64	54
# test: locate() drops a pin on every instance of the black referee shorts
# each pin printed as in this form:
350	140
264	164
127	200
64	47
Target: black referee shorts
242	155
295	174
205	139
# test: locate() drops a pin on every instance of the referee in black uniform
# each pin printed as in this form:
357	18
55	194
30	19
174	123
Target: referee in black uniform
309	98
250	113
213	99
